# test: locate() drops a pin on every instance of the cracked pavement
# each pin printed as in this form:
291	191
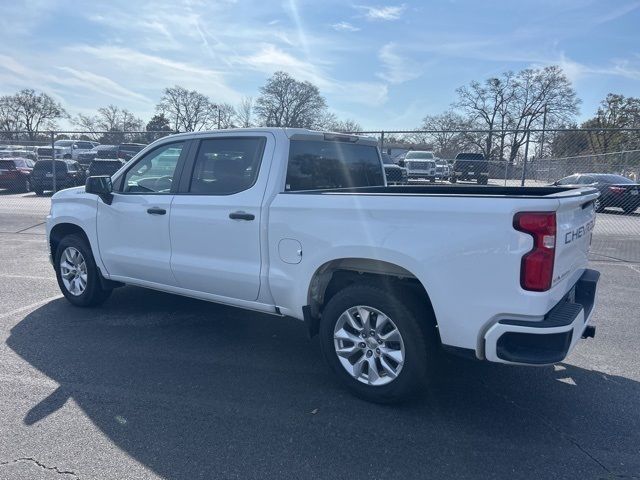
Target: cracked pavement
156	386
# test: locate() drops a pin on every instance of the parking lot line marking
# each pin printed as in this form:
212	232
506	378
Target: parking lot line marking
29	228
28	277
29	307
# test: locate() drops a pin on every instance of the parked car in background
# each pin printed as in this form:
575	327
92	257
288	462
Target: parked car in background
15	174
19	153
68	173
46	152
396	175
420	164
615	190
126	151
442	169
104	167
469	167
71	149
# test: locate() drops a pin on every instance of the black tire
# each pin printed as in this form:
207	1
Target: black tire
452	180
38	191
629	209
24	186
413	321
482	181
93	293
599	206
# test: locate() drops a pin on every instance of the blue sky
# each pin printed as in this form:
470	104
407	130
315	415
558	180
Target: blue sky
383	64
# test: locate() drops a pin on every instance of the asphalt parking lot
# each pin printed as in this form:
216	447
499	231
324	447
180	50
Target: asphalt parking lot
157	386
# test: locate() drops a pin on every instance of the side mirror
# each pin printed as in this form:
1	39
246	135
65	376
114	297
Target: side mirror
101	186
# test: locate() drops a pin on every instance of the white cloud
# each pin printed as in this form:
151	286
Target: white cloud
397	68
389	12
270	58
345	27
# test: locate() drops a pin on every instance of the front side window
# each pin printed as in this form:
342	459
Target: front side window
316	165
225	166
155	171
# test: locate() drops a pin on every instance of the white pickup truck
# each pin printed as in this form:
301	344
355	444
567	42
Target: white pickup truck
301	223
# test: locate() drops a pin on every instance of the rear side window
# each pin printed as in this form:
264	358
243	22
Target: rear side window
316	165
225	166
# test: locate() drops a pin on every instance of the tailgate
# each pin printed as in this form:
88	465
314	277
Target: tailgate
575	219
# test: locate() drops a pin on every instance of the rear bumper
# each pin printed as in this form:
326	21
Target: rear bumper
550	339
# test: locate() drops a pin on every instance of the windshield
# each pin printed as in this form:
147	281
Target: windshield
419	155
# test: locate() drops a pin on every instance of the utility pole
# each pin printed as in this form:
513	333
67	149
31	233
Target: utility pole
544	126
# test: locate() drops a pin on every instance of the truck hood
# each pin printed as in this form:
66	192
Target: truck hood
68	193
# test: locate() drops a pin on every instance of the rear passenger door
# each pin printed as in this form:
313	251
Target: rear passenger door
216	215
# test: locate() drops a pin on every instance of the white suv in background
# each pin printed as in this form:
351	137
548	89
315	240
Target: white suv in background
420	164
70	149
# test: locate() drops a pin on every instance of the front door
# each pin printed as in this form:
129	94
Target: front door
133	231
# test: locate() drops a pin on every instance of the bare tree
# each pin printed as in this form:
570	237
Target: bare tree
487	105
540	94
226	115
112	119
188	110
33	111
445	135
615	111
9	123
512	104
348	125
287	102
244	111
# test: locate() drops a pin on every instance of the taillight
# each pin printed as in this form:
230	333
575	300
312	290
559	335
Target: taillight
617	190
536	267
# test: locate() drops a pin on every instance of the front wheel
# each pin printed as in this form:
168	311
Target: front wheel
452	179
77	274
376	342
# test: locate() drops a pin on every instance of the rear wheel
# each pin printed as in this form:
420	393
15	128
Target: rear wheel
599	206
38	191
452	179
24	186
374	342
628	209
77	274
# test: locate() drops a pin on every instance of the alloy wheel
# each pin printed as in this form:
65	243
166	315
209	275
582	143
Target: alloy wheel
369	345
73	270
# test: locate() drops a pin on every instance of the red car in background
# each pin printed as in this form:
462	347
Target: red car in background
15	174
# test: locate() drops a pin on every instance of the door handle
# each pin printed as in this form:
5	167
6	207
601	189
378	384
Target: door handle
156	211
242	216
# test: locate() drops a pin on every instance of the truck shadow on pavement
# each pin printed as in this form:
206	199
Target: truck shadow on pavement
196	390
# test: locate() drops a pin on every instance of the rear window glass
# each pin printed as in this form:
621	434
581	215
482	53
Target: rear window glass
420	155
47	166
470	156
7	165
315	165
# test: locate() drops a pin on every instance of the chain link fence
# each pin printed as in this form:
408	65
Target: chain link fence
32	166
